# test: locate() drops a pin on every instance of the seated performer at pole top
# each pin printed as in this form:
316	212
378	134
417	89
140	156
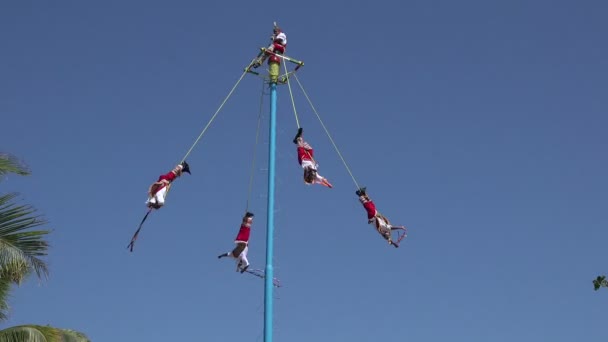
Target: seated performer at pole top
382	224
158	190
307	161
278	45
242	244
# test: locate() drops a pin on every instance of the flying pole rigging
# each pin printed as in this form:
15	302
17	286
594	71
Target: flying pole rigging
275	56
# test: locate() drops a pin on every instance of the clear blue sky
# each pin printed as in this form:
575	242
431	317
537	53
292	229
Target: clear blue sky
480	125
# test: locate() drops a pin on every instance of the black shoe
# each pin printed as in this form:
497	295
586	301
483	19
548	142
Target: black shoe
244	269
361	192
186	167
221	256
295	140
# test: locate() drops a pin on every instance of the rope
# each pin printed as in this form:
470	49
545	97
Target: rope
291	95
134	238
257	135
295	112
327	132
213	117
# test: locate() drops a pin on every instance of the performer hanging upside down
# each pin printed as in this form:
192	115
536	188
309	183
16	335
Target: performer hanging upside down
278	45
158	190
307	161
242	244
382	224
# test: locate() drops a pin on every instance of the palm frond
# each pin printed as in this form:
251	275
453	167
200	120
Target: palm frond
5	287
39	333
69	335
12	164
30	333
600	281
21	248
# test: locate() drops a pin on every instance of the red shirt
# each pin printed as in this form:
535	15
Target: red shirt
170	176
167	178
370	207
243	235
305	154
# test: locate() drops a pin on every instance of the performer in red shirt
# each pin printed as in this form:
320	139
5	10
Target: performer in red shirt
278	45
242	244
158	190
382	224
307	161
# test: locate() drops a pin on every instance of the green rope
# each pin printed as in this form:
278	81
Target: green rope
209	124
213	117
327	132
291	95
257	135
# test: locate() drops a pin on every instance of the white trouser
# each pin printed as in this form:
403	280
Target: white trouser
159	197
382	227
241	260
309	163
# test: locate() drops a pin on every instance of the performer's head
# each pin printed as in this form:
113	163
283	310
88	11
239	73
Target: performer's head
248	218
310	175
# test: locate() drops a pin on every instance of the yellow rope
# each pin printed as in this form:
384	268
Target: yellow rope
213	117
257	135
291	94
327	132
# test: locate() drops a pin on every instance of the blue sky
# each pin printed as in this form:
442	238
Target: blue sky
480	125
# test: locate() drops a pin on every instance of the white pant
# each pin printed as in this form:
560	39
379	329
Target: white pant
382	227
309	163
159	197
241	260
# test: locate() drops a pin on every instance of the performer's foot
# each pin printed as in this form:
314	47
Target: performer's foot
361	192
299	135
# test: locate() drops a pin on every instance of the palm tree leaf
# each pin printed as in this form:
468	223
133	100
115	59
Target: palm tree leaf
5	287
11	164
39	333
20	247
69	335
30	333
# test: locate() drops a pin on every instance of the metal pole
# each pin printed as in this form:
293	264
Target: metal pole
268	284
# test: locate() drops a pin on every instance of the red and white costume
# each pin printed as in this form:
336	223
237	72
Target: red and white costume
306	155
242	244
279	42
307	161
278	46
381	223
158	190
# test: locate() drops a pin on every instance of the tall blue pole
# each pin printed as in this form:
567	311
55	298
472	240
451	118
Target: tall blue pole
268	281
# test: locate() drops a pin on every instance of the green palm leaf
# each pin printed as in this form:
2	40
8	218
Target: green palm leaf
69	335
20	247
10	164
5	288
39	333
30	333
